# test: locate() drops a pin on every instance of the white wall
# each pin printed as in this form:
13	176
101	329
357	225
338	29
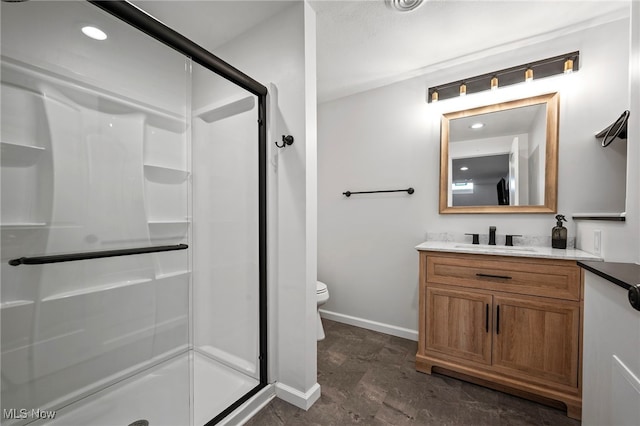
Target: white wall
605	303
621	241
390	138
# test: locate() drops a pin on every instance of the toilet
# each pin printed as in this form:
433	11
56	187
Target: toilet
322	295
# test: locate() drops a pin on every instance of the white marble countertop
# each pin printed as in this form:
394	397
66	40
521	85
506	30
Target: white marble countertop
518	251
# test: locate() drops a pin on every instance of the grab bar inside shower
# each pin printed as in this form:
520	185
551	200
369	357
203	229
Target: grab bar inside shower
71	257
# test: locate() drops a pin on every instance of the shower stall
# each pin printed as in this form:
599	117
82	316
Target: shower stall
133	222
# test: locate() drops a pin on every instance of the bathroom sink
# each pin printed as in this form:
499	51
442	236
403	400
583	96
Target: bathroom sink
487	248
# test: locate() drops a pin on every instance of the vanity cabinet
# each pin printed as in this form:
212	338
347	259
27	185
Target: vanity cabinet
511	323
455	320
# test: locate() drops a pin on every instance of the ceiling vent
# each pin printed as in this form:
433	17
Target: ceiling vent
404	5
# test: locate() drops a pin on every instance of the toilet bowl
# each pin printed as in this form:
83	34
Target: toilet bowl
322	295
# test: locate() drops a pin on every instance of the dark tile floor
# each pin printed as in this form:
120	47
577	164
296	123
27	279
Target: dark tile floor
368	378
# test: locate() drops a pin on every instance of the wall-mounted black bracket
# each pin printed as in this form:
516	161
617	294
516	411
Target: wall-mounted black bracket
286	140
634	296
617	130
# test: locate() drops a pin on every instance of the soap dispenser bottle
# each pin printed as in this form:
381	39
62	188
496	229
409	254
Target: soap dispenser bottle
559	234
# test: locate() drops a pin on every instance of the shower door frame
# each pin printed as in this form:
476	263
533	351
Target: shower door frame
137	18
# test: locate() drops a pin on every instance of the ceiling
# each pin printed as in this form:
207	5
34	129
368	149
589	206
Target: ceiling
211	23
363	44
489	168
506	122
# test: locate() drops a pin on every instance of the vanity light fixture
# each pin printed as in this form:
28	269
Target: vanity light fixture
94	33
566	63
528	74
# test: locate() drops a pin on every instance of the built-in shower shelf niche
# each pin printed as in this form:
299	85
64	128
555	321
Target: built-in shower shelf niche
169	222
174	274
169	264
165	175
168	231
166	193
96	289
19	238
22	225
165	148
15	304
18	155
225	109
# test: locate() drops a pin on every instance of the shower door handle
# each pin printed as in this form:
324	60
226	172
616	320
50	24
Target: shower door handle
71	257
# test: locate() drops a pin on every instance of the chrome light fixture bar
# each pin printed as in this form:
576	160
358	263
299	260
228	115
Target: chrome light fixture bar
569	62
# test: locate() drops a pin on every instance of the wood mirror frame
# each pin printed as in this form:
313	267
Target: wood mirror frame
551	157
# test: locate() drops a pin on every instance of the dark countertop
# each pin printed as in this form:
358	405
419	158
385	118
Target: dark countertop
624	275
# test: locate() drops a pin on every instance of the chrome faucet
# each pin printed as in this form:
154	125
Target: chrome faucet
492	235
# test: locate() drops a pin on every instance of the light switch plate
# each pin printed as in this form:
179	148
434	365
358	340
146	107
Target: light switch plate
597	242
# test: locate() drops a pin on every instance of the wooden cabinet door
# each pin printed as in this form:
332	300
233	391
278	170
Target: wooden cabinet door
458	323
537	337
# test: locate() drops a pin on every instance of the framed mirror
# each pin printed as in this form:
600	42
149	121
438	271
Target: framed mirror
501	158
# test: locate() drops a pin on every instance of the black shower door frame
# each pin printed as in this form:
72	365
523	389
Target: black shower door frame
135	17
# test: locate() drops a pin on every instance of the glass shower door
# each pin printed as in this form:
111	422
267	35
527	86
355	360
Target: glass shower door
95	161
225	242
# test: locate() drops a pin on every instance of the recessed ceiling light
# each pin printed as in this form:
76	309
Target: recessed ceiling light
94	33
464	168
477	125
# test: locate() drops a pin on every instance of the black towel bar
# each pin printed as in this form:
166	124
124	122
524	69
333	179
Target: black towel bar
408	190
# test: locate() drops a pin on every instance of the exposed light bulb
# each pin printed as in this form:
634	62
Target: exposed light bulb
434	96
528	75
463	89
568	66
494	83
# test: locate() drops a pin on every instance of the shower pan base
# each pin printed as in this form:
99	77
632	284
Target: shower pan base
160	395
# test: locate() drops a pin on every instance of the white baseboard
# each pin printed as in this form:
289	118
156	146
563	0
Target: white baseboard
393	330
246	411
299	399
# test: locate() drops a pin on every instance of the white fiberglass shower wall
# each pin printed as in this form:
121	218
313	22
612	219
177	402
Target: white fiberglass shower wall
119	144
225	238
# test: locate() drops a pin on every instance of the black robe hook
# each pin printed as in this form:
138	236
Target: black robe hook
286	140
